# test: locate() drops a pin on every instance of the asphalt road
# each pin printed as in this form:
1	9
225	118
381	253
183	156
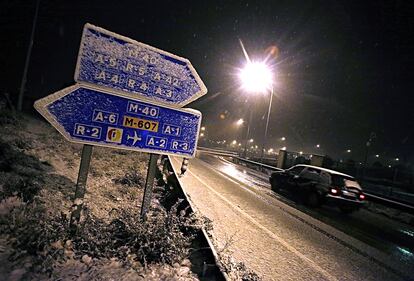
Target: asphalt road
281	240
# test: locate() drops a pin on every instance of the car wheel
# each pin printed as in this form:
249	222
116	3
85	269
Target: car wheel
274	185
313	200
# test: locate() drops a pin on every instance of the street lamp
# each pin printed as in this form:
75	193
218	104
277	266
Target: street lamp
348	151
257	77
239	122
318	146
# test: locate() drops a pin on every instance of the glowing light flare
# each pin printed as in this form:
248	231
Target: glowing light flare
239	122
256	77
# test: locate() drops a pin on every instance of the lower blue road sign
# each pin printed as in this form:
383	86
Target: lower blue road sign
90	116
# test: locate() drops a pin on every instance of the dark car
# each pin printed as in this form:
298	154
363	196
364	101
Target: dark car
318	185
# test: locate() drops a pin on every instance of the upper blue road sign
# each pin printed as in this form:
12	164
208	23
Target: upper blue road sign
91	116
119	63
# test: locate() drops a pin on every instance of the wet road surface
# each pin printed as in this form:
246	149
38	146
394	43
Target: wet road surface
282	240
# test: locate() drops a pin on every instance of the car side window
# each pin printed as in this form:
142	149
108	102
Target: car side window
310	174
325	177
295	170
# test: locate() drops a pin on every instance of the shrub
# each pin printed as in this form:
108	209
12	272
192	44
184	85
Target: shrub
131	178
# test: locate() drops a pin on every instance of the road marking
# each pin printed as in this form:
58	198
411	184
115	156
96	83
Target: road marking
270	233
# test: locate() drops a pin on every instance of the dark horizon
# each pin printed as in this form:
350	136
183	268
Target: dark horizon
344	68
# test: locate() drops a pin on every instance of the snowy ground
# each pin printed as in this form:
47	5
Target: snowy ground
38	172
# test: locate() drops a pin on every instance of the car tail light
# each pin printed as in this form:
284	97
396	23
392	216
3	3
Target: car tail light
362	196
334	191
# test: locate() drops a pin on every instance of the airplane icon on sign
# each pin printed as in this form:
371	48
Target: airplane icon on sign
135	138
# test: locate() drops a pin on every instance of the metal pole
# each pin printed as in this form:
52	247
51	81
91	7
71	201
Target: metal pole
152	167
365	158
81	186
26	64
267	124
247	133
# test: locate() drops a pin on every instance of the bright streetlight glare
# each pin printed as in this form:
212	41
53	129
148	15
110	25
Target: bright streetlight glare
256	77
318	146
240	122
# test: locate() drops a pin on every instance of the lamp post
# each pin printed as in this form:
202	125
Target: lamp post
257	77
267	124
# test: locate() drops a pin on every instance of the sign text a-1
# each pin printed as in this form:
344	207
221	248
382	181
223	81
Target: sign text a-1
92	116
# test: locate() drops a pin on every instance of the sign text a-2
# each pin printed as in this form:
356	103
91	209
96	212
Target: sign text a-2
92	116
115	62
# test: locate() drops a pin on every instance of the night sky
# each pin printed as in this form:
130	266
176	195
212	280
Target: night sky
345	68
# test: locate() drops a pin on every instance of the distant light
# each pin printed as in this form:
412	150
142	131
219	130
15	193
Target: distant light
234	142
256	77
349	151
300	152
397	159
283	148
201	134
283	138
239	144
203	128
256	146
377	155
251	140
240	122
318	146
270	150
389	166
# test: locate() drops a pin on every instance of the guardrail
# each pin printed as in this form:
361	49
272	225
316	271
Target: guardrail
236	156
217	151
390	202
383	200
210	269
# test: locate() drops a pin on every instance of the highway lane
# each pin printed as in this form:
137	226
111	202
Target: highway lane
276	240
389	236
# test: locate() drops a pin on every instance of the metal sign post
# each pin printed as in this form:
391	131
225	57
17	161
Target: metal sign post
128	96
149	183
80	186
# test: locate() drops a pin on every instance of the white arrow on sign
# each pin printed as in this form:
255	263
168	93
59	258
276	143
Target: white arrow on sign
109	60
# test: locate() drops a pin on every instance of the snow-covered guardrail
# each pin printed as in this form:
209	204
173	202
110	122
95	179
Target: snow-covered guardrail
210	266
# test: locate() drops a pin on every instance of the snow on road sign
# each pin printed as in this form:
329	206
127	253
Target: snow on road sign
109	60
90	116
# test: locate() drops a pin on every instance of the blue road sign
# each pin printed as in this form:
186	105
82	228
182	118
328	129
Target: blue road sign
112	61
91	116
